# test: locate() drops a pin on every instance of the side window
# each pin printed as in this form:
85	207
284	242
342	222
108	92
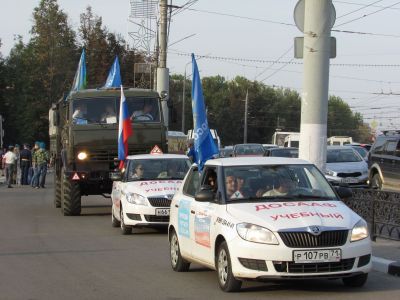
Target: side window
210	178
193	183
378	147
390	147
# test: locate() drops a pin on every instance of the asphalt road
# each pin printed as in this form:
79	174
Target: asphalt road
44	255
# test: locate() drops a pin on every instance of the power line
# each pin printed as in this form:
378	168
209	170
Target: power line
267	68
363	7
379	10
360	4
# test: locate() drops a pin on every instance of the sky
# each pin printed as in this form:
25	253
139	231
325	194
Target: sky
255	33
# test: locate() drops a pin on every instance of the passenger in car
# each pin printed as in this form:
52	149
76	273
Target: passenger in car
283	187
230	185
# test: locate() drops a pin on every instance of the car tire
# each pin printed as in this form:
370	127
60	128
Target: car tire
114	221
57	191
355	281
124	228
376	182
226	280
71	198
178	263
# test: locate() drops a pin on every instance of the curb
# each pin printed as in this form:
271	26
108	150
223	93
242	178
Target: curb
386	266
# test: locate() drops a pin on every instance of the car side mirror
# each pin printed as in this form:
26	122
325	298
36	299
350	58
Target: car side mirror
344	192
205	195
116	176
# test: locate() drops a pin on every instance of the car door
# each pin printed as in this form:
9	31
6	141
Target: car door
117	188
391	175
202	217
184	206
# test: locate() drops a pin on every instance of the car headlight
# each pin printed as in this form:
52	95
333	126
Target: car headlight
82	155
360	231
329	172
136	199
256	234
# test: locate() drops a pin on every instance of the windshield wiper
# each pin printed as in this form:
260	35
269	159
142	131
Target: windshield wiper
304	196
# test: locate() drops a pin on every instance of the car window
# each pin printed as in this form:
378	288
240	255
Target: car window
342	155
162	168
192	184
275	181
378	146
390	147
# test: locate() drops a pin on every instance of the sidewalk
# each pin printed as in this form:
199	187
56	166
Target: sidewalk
386	256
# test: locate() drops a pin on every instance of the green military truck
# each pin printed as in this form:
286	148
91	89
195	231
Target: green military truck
84	140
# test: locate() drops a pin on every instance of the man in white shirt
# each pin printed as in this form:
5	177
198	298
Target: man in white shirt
143	115
9	160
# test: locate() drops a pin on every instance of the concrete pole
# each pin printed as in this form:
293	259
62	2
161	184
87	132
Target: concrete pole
314	102
246	103
162	70
183	102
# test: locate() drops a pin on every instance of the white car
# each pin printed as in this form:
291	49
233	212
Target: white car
266	218
141	195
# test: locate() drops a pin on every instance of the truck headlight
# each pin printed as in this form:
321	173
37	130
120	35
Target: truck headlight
136	199
82	155
359	231
329	172
256	234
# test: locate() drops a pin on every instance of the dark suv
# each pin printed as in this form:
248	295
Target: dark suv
384	161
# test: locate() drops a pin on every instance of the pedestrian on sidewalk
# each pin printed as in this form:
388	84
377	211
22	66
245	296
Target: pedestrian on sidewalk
25	163
35	171
17	171
41	159
9	164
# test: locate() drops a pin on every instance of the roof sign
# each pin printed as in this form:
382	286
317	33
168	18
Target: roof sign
156	150
75	177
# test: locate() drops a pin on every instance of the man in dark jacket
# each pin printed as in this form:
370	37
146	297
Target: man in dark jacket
25	164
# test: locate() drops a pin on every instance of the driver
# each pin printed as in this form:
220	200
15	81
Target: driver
284	186
79	114
143	115
139	171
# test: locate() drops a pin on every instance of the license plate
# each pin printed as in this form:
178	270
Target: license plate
317	256
349	180
162	211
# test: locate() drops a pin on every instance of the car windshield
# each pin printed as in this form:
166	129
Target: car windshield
362	151
249	149
155	169
276	182
225	152
282	152
105	110
342	155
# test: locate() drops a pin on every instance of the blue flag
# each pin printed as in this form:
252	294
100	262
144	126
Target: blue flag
114	76
80	75
204	145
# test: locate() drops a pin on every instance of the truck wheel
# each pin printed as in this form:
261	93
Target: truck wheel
355	281
57	191
177	262
114	221
124	228
376	182
71	202
226	280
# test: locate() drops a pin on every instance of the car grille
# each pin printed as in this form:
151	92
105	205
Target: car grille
158	219
344	175
253	264
308	240
291	267
160	202
105	155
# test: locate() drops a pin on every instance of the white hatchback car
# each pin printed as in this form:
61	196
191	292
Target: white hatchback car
141	195
266	218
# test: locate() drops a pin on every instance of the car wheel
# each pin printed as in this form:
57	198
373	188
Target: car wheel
355	281
226	280
114	221
376	182
177	262
124	228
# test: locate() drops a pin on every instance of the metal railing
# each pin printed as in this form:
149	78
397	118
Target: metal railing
380	209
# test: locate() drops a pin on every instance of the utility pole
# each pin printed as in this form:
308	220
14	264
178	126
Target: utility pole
246	103
162	70
183	102
319	17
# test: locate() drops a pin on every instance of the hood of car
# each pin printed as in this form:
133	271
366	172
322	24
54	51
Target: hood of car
153	188
348	167
295	214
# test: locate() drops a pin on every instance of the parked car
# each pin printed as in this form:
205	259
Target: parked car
227	151
345	166
361	150
248	150
141	195
269	146
296	229
384	162
283	152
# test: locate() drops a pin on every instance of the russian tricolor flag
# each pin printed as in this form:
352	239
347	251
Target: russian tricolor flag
124	130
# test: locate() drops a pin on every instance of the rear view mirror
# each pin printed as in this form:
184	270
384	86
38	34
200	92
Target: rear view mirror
344	192
116	176
205	195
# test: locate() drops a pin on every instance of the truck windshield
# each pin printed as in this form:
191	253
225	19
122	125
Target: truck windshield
106	110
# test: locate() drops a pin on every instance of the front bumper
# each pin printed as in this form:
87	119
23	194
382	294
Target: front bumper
355	182
260	261
142	216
